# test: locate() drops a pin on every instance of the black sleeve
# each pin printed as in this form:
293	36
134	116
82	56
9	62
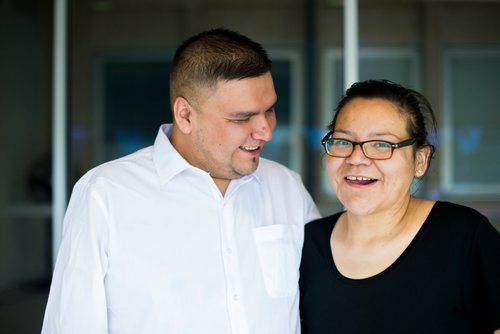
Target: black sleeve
487	246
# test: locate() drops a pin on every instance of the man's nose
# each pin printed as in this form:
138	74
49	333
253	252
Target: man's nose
263	129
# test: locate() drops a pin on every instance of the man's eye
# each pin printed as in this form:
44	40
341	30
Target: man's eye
242	120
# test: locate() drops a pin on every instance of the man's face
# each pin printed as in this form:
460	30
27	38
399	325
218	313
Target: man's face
231	126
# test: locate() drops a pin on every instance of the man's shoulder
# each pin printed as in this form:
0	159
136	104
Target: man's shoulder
271	169
120	170
279	177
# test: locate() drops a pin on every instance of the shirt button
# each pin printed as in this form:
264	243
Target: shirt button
235	298
229	250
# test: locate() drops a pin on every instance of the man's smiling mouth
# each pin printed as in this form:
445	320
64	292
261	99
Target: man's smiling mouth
250	148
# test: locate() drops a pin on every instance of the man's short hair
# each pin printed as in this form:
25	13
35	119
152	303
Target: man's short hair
208	57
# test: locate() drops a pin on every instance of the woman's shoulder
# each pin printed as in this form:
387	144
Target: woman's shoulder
457	212
459	218
322	225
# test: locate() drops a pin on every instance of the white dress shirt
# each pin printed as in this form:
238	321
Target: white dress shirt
151	246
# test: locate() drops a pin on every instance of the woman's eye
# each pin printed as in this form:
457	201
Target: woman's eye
339	142
381	145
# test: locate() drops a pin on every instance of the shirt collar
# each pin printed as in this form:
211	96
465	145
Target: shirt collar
168	162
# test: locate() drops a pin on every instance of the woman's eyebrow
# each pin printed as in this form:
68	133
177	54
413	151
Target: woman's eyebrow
370	135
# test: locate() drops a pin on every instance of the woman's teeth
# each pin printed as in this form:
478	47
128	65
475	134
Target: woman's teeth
358	178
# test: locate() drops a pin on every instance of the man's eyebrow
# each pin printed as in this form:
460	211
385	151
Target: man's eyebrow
243	114
273	106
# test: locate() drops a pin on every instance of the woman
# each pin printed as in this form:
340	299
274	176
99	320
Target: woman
392	262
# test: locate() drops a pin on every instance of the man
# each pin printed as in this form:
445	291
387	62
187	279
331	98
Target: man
195	234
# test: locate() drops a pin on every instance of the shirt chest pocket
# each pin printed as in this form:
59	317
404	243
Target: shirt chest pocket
278	249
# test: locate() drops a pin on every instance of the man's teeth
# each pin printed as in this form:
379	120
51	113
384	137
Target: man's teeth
250	148
358	178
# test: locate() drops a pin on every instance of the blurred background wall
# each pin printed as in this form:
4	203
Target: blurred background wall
119	54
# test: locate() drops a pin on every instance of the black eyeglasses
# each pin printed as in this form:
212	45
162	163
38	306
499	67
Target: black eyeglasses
373	149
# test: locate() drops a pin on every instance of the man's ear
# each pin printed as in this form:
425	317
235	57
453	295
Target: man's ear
183	112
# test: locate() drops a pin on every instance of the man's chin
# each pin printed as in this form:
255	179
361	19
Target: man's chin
249	169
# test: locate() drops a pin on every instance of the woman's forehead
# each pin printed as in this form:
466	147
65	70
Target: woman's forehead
371	117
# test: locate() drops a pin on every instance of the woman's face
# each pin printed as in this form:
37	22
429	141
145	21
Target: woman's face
365	186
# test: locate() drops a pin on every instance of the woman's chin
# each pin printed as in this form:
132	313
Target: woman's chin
359	206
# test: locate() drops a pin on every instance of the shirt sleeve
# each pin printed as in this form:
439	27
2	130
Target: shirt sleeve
77	298
488	250
310	209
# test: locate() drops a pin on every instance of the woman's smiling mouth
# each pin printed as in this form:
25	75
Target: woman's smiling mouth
359	180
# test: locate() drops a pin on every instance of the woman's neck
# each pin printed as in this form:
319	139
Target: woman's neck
382	225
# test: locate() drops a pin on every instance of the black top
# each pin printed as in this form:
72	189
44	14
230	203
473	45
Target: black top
446	281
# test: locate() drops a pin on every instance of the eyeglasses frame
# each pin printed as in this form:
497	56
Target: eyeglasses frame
394	146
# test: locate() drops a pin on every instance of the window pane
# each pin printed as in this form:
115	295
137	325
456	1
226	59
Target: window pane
25	143
473	78
278	148
135	102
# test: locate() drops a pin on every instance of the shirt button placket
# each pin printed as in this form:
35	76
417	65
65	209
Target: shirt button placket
230	256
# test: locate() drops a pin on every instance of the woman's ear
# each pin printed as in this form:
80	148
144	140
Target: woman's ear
422	157
182	113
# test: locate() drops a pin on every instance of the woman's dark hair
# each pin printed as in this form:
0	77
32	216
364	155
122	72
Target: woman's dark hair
413	105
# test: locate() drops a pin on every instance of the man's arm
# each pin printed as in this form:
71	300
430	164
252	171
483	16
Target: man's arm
312	211
77	299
